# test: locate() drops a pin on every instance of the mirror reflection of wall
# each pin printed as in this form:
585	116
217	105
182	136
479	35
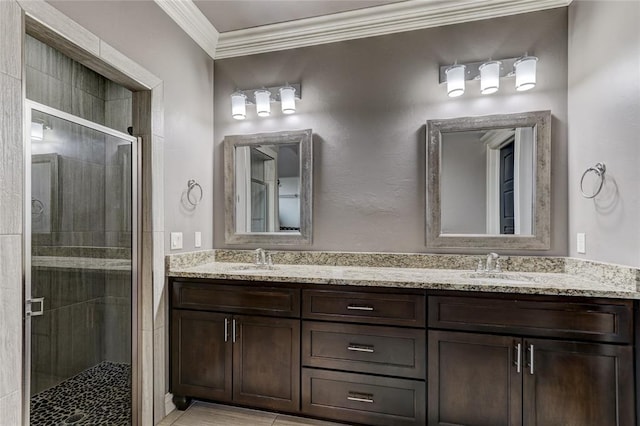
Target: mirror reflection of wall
488	181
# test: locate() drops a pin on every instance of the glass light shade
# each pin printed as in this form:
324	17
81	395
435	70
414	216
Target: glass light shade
239	106
288	99
263	102
455	80
525	68
489	77
37	131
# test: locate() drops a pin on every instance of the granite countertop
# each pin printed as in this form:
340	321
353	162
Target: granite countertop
80	263
543	283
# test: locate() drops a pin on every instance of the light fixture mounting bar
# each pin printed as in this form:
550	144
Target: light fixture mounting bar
472	72
275	92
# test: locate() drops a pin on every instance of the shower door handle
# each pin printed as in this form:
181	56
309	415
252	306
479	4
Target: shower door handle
30	312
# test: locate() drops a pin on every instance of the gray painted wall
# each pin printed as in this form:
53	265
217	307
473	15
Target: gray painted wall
367	102
143	32
604	125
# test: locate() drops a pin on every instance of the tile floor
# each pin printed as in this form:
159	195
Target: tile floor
206	414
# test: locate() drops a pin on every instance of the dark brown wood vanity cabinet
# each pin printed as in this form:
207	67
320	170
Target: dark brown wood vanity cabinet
528	361
235	343
363	357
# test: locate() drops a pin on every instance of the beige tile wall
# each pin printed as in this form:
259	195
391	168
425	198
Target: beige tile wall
11	194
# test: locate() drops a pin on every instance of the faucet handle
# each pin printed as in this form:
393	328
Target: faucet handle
498	267
479	268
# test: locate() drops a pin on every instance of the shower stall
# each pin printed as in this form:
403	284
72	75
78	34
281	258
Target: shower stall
80	274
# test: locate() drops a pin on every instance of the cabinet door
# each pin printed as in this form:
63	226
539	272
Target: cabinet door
266	362
569	383
474	379
201	355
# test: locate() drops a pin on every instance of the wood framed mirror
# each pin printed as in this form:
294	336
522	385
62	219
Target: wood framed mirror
489	182
268	188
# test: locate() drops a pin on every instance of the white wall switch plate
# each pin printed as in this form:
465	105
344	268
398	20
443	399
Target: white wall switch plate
581	243
197	239
176	240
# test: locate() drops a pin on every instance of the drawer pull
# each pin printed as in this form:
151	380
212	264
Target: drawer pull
360	348
359	308
360	397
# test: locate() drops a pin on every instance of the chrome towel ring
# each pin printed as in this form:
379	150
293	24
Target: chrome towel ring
194	192
599	169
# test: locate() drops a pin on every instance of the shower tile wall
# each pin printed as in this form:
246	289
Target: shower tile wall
87	317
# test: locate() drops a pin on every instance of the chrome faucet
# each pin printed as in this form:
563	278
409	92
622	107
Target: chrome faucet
260	257
263	259
493	263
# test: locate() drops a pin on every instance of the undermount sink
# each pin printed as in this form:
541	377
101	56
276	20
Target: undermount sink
499	277
253	268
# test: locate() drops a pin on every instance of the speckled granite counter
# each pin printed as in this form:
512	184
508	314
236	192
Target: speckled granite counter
569	277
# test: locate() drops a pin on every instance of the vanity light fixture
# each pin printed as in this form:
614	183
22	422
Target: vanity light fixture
288	99
525	69
455	80
287	94
263	102
489	74
238	105
37	131
489	77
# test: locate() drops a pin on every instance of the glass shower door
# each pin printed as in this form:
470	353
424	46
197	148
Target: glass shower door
80	270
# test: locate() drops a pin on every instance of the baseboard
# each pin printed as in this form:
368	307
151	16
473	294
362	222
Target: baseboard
169	406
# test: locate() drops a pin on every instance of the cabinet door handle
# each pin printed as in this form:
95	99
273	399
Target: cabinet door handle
360	397
233	330
531	359
359	308
518	357
226	330
360	348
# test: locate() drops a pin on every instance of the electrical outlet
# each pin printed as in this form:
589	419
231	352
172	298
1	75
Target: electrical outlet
176	240
581	243
197	239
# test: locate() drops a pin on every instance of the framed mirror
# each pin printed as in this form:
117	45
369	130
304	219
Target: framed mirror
488	182
268	188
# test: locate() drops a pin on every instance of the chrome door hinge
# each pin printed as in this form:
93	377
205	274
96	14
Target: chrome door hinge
29	307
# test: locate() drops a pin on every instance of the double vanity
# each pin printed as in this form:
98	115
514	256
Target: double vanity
412	340
407	339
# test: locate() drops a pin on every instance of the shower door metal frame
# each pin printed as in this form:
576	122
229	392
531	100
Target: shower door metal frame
135	254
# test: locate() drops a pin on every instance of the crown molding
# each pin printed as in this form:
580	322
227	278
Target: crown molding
374	21
193	22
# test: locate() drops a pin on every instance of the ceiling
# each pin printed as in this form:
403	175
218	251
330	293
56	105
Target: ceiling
230	15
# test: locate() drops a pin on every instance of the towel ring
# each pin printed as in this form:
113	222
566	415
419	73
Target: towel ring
599	169
37	207
193	199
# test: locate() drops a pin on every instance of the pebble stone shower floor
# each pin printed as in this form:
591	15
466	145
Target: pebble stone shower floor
98	396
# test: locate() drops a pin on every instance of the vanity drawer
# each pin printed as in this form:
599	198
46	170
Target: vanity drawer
359	398
366	349
273	301
374	308
605	321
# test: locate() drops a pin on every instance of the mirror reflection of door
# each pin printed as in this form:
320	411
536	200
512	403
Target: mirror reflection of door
490	173
267	188
257	200
506	189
